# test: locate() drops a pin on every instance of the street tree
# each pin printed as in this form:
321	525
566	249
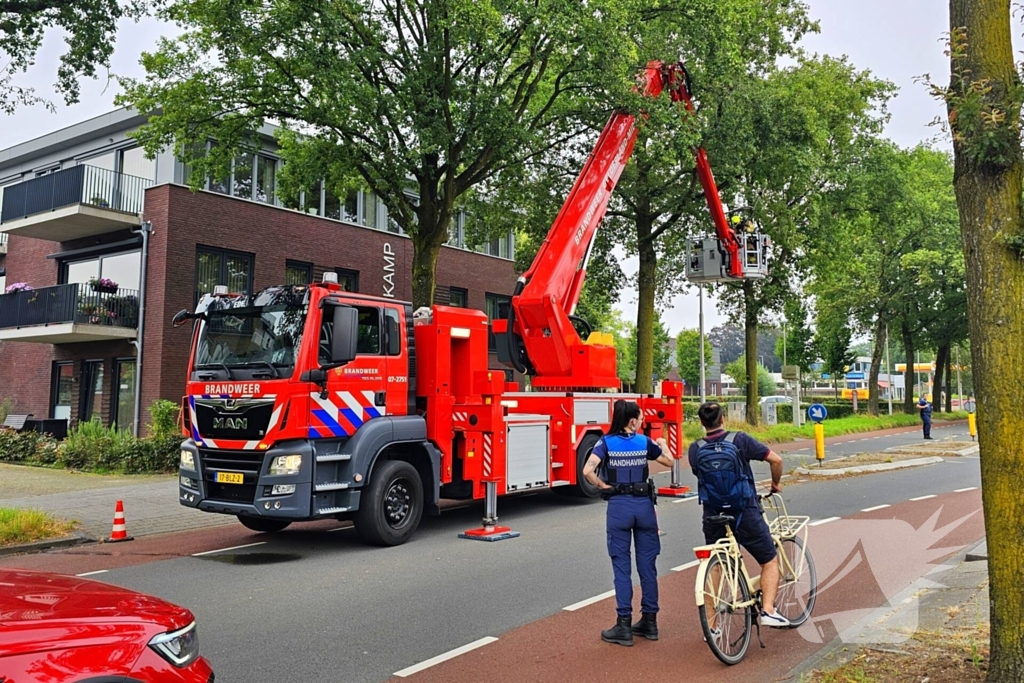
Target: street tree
729	340
90	27
832	341
420	101
688	356
797	344
984	101
738	371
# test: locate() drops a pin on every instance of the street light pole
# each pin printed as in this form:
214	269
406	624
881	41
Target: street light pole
700	316
888	368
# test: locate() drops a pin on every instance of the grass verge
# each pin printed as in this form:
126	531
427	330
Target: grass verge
854	424
948	657
24	526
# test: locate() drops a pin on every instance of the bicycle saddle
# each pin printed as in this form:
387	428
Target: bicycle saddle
721	519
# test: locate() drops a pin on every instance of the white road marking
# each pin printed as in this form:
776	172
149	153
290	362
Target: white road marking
589	601
931	495
877	507
969	488
823	521
684	567
224	550
451	654
98	571
683	500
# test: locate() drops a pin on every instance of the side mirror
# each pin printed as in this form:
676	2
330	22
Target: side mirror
345	336
181	317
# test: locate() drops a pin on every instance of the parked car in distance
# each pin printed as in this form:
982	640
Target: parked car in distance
775	399
64	629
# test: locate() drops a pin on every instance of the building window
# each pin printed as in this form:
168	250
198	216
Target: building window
135	163
493	304
348	279
91	399
123	409
298	273
252	176
122	268
61	390
222	267
457	296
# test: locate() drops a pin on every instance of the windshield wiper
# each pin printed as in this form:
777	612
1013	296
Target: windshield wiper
207	366
270	365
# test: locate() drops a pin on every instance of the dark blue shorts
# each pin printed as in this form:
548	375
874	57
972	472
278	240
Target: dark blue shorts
752	534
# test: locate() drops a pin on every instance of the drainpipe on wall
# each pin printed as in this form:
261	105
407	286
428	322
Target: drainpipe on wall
145	229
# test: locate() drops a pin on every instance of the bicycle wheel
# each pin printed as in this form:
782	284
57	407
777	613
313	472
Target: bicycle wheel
726	630
798	583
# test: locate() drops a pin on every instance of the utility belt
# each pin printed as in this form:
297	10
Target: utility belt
642	489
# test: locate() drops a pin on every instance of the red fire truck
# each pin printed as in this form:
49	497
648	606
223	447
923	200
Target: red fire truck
309	402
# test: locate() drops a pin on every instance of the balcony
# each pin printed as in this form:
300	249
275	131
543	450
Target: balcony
77	202
67	314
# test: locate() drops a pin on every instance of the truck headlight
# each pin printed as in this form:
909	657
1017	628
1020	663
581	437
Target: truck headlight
180	647
188	460
286	464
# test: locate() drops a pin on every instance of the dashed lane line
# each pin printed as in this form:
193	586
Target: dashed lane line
98	571
877	507
969	488
451	654
684	567
589	601
224	550
823	521
930	495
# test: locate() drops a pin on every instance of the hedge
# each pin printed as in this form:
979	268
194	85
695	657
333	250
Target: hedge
91	447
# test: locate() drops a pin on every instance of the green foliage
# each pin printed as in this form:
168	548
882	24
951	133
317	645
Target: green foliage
6	407
90	27
164	419
798	339
688	356
90	446
738	371
832	342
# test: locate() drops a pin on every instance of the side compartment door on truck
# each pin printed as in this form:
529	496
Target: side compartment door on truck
356	392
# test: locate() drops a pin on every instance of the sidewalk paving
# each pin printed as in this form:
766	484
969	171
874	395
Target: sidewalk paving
948	602
150	501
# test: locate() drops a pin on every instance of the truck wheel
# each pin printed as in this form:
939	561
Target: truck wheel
267	526
582	488
391	506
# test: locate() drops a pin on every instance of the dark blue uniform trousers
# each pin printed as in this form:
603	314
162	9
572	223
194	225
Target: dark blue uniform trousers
926	423
632	520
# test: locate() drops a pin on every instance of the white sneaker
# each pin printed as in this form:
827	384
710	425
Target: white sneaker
775	620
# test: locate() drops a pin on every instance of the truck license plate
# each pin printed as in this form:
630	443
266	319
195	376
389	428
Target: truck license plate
230	478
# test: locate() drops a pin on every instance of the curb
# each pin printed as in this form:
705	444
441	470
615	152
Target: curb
39	546
879	467
970	450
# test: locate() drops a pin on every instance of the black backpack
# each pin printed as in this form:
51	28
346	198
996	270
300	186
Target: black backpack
723	484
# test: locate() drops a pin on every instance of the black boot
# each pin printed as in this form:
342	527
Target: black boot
647	626
621	633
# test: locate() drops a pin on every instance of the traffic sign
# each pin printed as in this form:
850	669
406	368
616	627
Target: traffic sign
790	372
855	375
970	406
817	412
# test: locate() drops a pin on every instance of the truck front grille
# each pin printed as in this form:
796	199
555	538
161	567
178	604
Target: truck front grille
246	462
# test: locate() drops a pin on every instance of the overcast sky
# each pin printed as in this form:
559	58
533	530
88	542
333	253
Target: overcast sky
897	40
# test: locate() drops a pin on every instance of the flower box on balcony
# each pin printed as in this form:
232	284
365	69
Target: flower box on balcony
103	285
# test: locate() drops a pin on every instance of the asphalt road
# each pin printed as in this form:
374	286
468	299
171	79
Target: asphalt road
312	604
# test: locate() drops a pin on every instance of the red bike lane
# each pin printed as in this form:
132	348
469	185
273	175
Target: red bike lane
864	562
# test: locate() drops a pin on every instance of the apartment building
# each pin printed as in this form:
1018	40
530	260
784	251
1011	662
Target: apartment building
81	275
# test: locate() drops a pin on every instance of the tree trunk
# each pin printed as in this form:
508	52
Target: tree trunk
425	249
989	199
949	382
910	373
876	365
646	286
941	356
750	316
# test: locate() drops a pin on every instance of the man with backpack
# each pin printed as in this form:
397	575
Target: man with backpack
725	485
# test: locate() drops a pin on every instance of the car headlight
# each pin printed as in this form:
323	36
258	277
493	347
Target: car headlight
180	647
188	460
286	464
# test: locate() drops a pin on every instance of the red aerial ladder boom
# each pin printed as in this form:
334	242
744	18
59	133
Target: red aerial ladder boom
539	337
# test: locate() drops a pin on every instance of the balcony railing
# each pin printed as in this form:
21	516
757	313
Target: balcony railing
88	185
74	303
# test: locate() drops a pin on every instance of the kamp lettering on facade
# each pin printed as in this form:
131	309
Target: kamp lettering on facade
389	271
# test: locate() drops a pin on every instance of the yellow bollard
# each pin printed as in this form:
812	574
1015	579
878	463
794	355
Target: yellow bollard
819	442
972	425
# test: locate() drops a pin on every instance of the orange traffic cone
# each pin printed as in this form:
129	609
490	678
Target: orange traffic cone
119	531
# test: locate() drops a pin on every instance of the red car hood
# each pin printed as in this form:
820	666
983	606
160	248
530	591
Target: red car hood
49	608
